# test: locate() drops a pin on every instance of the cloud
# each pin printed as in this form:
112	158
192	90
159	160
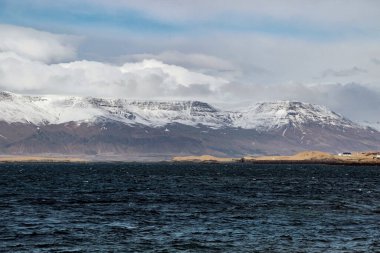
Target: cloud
344	72
322	20
145	79
255	58
37	45
176	74
191	60
33	61
375	61
219	70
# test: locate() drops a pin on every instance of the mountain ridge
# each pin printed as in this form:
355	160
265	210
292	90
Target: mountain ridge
51	109
128	128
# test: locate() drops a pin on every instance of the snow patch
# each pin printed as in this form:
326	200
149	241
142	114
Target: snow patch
373	125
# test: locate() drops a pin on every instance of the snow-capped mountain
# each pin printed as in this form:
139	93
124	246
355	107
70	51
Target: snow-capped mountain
86	125
60	109
262	116
271	115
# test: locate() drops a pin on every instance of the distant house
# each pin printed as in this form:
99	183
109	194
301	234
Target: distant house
345	154
376	157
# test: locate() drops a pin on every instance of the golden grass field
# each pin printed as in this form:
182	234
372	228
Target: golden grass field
306	156
39	159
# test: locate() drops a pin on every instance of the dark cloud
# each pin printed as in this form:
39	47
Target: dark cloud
343	72
353	100
375	61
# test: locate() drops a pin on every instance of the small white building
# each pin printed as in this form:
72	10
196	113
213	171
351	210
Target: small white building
345	154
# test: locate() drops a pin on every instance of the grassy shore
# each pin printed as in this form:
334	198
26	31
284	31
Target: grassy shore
359	158
29	159
302	157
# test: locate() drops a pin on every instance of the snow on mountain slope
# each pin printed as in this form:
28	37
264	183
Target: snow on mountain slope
160	113
373	125
44	110
270	115
263	116
61	109
16	108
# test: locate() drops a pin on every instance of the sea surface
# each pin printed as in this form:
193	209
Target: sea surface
128	207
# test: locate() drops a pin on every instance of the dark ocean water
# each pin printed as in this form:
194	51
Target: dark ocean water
189	208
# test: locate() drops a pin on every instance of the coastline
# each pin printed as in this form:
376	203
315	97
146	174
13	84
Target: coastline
306	157
40	159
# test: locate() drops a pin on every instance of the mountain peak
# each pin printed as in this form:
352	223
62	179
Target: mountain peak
277	114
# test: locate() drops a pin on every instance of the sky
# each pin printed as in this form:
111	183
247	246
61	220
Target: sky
229	53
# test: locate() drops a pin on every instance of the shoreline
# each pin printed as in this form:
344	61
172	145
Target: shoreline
50	161
306	157
290	162
40	159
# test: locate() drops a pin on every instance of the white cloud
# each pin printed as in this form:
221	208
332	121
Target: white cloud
191	60
175	74
145	79
37	45
31	62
